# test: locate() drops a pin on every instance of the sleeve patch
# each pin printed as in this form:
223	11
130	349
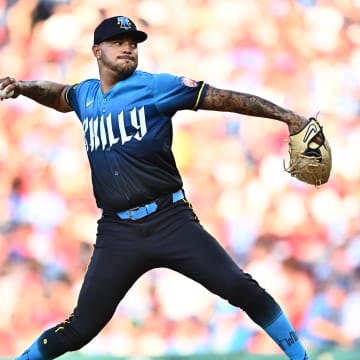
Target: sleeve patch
189	82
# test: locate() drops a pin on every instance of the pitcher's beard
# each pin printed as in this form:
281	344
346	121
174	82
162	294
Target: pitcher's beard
123	70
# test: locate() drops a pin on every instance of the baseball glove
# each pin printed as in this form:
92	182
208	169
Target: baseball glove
310	155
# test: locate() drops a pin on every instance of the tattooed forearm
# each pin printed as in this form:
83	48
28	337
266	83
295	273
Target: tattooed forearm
47	93
252	105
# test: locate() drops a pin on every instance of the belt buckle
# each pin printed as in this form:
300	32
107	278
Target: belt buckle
130	211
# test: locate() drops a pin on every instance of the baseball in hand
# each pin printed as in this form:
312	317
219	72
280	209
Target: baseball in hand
6	95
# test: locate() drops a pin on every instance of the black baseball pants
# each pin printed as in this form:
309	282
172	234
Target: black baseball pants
170	238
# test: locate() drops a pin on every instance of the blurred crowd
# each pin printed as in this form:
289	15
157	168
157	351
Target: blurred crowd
300	242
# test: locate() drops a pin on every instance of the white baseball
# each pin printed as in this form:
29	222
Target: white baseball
5	95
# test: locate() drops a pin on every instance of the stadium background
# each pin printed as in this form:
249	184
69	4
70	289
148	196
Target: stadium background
298	241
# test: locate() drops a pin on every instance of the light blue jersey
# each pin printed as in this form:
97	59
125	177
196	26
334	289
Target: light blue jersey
128	135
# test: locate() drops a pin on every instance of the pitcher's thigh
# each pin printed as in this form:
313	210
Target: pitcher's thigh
206	261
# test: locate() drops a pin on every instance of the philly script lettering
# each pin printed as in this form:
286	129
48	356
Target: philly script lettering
100	132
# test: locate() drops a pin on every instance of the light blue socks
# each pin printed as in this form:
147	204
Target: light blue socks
32	353
265	312
285	336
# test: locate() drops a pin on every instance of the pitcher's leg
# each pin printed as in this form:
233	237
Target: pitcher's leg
113	259
206	261
95	306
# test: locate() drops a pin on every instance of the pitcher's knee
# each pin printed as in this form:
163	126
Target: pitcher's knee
61	339
241	290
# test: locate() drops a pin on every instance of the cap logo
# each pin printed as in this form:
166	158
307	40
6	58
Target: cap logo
124	22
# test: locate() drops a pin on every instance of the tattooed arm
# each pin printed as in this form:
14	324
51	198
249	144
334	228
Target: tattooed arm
248	104
46	93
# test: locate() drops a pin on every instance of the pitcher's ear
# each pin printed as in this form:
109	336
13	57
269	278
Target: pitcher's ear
96	51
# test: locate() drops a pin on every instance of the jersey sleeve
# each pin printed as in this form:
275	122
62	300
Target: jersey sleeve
78	94
175	93
71	97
